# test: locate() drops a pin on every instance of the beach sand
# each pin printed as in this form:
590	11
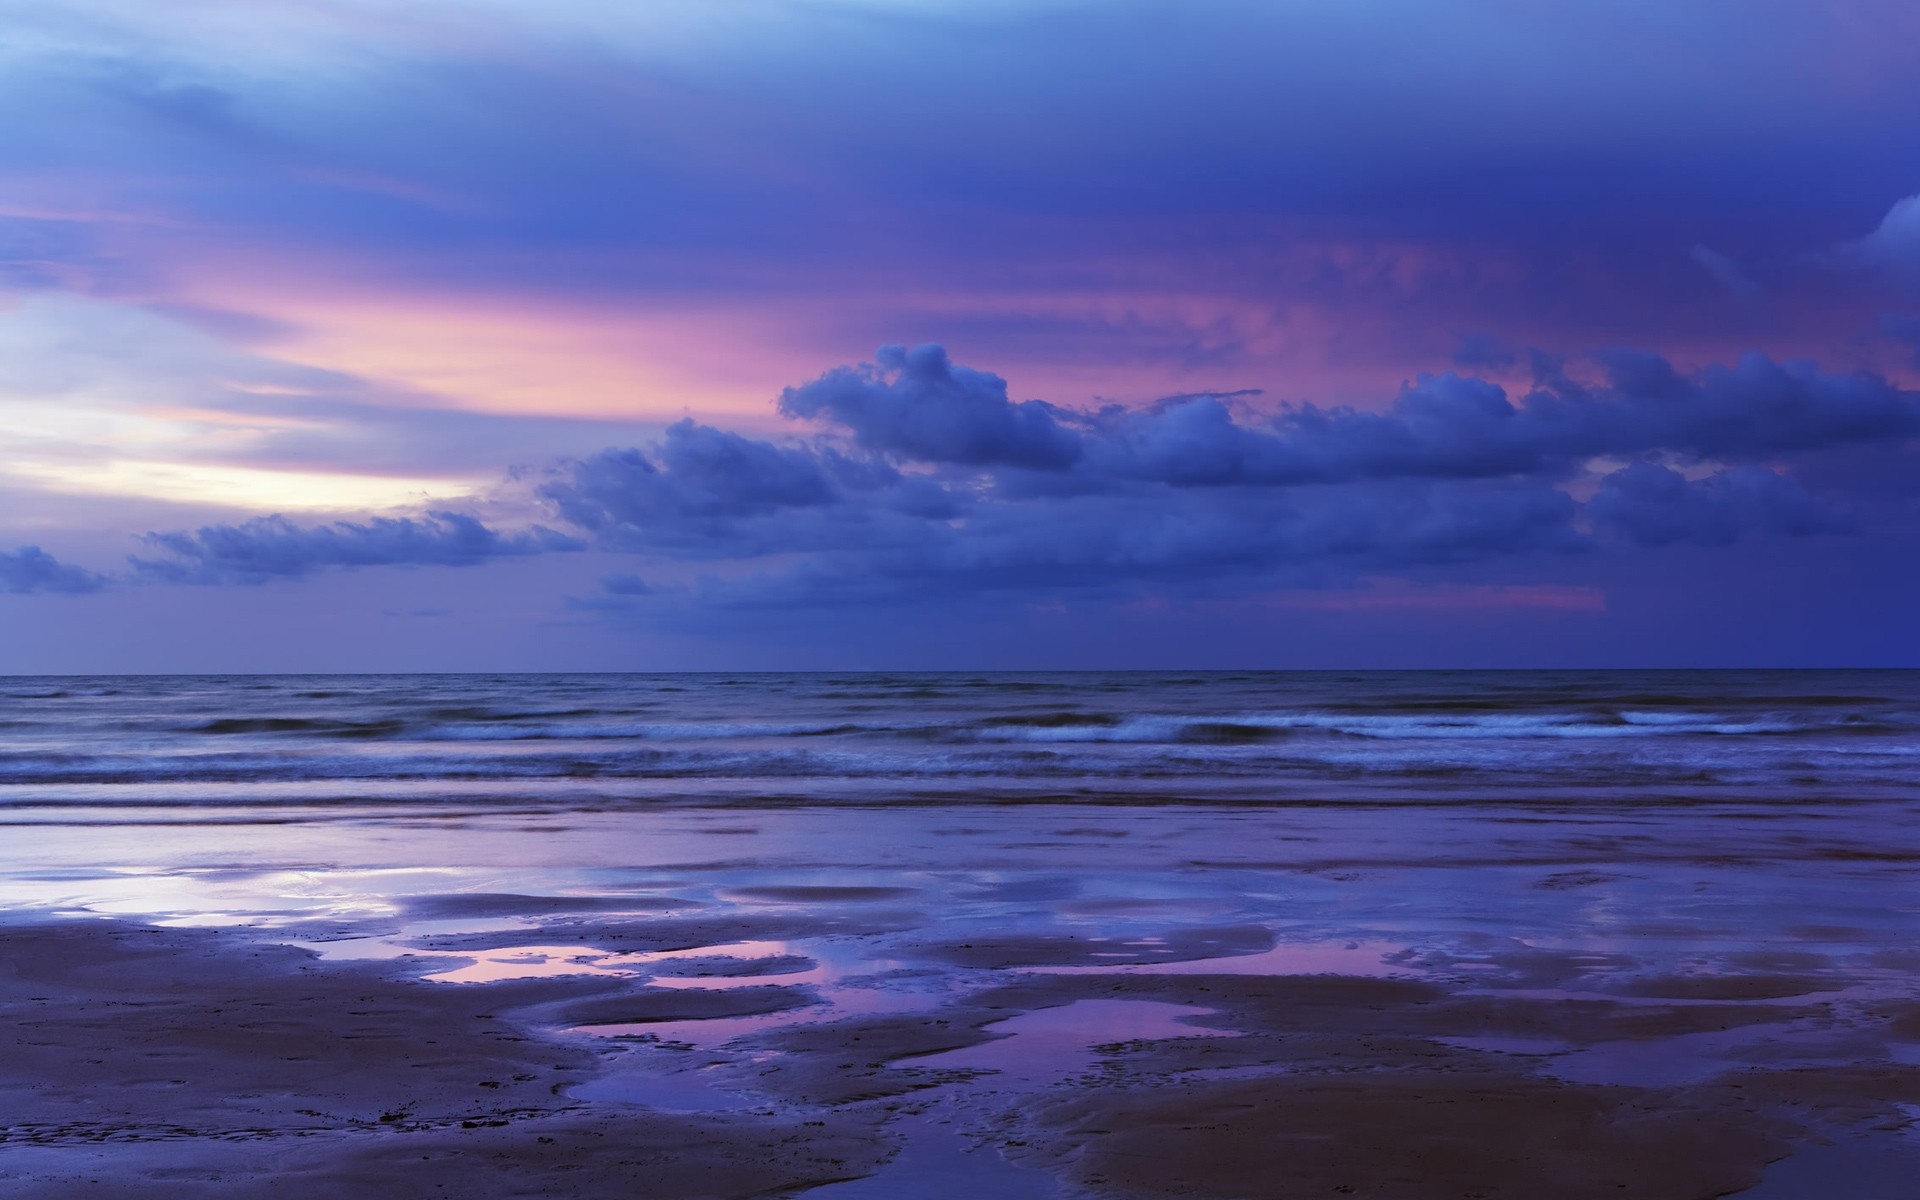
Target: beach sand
148	1062
748	1037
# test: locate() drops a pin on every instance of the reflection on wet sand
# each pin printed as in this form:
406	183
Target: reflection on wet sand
1051	1044
1008	1001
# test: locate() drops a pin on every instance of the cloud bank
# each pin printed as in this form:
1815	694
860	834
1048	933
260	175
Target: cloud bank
31	569
1656	506
913	479
922	478
268	548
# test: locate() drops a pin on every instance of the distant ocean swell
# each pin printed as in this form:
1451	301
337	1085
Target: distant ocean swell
1055	733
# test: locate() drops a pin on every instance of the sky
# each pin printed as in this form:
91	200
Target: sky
368	335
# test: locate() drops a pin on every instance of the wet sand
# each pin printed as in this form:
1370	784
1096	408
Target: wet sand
1042	1005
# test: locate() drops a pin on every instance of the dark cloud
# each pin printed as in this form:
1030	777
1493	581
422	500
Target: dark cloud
1451	426
1753	408
273	547
696	471
704	492
625	584
918	405
31	569
923	481
1121	544
948	488
1446	426
1656	506
619	592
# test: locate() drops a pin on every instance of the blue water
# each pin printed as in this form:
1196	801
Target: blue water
1419	738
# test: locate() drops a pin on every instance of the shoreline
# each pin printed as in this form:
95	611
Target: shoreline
176	1061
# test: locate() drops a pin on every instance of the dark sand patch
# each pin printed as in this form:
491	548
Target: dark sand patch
1253	1001
1403	1136
884	1039
1343	1086
116	1032
505	904
644	934
1778	960
1568	880
1900	958
161	1063
1726	987
1832	933
619	1157
580	1156
1902	1018
1593	1021
710	966
681	1004
1297	1004
1880	1094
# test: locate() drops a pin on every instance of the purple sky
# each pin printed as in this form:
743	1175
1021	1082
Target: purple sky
476	334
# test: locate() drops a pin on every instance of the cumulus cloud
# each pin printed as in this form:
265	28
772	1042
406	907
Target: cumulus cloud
702	492
621	591
925	479
1452	426
267	548
1446	426
918	405
31	569
625	583
1116	543
696	471
1656	506
1753	408
921	479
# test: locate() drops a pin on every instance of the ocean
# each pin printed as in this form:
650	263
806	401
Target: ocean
199	743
